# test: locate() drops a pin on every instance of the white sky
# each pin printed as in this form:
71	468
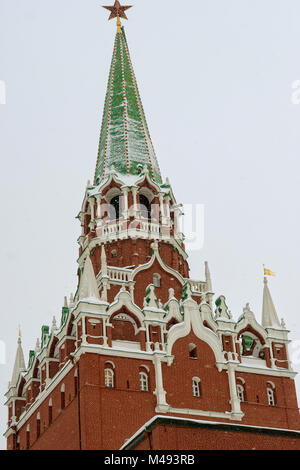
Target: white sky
215	78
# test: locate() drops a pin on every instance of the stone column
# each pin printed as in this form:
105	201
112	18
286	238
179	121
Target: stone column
92	206
234	399
125	202
98	199
161	202
271	355
83	337
135	207
162	406
104	332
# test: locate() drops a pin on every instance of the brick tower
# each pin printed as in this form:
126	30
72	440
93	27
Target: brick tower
145	357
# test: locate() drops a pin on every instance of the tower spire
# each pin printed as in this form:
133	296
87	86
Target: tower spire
125	141
269	314
19	361
88	288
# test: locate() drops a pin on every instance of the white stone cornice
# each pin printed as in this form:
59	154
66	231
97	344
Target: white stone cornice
276	334
208	414
275	372
116	351
90	308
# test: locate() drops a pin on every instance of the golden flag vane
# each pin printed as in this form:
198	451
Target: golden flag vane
20	332
268	272
118	11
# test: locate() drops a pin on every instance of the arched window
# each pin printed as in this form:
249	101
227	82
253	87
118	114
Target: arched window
196	387
144	385
28	437
241	392
62	397
75	383
50	416
145	207
271	394
115	207
109	378
156	280
38	425
192	351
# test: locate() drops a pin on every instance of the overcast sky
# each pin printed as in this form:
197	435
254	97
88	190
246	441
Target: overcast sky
215	77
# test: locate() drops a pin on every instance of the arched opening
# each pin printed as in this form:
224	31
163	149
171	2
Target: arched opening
145	207
115	207
144	382
50	415
192	351
240	389
252	345
109	377
38	425
271	394
125	328
62	397
240	392
28	437
196	387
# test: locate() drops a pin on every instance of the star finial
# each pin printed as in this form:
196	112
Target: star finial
117	11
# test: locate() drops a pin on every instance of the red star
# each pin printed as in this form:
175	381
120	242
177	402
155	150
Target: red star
117	11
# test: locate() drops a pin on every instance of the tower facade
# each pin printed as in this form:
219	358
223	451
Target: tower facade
144	356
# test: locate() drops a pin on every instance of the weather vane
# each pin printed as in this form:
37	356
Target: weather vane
118	11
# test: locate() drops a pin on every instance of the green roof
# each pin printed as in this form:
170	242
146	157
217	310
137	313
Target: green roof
125	141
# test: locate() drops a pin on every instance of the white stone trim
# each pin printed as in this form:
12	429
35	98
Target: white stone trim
192	321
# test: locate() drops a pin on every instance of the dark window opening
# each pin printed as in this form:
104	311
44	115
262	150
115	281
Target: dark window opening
115	207
192	351
63	400
145	207
38	428
27	440
50	415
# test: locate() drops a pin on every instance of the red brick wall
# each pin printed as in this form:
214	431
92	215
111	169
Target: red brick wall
184	438
178	378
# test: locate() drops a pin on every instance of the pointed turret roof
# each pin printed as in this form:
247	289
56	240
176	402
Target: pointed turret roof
19	364
125	141
88	288
269	314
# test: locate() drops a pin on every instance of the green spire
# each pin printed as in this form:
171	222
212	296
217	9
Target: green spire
125	141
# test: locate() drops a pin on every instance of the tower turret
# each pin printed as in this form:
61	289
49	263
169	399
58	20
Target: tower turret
19	363
269	314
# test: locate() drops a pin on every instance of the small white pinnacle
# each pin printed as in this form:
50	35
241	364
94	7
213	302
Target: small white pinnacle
54	325
38	345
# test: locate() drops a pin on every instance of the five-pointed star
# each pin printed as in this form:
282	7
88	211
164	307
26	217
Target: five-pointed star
117	11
